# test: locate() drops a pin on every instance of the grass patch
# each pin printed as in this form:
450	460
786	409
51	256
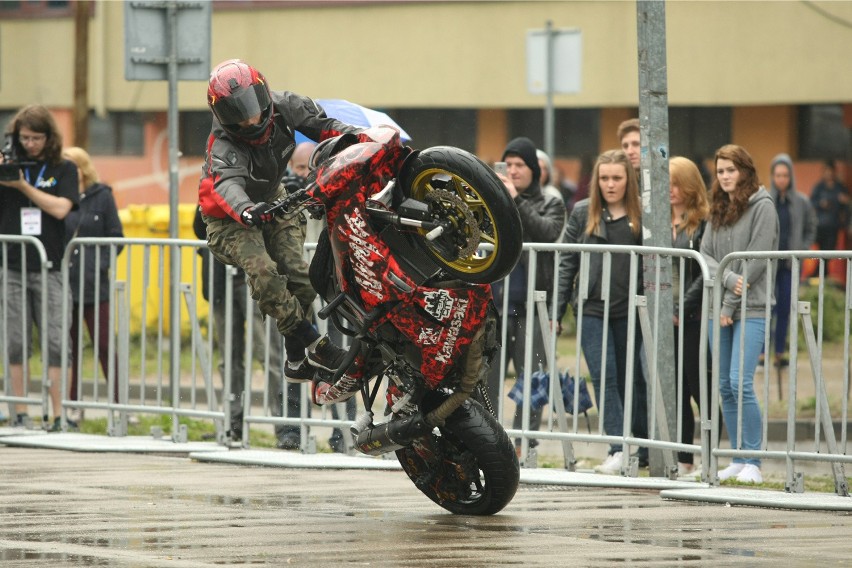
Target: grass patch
197	430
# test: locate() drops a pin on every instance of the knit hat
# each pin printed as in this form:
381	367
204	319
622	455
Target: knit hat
524	148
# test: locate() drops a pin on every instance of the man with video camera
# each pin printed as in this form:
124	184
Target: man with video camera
38	188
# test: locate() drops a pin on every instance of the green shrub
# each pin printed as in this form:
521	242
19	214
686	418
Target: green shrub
833	312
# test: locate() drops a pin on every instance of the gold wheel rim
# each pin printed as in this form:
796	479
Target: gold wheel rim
424	184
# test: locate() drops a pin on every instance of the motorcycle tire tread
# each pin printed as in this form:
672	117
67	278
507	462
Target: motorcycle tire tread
483	436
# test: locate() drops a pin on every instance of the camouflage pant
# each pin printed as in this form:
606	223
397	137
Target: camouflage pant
272	256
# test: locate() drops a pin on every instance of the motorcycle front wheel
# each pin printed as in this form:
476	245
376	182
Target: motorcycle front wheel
470	468
464	192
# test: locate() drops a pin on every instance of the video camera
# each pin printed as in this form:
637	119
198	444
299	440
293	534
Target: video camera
10	169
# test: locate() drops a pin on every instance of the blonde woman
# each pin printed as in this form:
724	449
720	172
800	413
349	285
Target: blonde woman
96	217
610	215
690	207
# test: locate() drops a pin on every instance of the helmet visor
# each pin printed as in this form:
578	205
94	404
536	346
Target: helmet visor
237	107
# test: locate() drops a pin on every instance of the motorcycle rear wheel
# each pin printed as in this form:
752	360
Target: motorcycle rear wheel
478	471
462	189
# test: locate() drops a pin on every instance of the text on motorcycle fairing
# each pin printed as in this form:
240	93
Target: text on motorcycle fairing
362	251
446	351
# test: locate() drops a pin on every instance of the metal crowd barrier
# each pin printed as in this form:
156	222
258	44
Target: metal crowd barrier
139	381
200	388
825	445
638	315
24	397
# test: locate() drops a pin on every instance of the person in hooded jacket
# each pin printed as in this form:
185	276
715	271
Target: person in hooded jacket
797	222
97	216
250	144
742	218
542	219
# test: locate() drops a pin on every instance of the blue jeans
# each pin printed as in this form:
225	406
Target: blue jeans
616	376
730	379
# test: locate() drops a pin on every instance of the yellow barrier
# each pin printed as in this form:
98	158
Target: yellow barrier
152	222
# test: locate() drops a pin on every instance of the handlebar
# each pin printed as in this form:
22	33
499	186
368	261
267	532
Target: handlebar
284	205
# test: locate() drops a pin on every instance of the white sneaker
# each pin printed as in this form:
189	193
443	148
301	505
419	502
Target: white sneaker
731	471
750	474
611	465
685	469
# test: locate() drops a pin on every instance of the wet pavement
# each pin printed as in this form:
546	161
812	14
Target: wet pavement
61	508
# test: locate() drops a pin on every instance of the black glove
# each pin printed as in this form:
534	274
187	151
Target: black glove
293	183
257	214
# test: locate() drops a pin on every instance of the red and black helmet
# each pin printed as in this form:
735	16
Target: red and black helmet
237	92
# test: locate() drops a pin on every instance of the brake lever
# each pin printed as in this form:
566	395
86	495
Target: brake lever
284	205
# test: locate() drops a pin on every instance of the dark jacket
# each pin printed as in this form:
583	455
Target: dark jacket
542	219
803	219
569	264
237	174
97	216
693	281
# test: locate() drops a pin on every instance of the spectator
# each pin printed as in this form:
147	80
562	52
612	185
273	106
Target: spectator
36	204
587	164
298	169
797	228
688	198
249	146
629	137
742	218
565	186
611	216
830	199
542	220
547	175
96	217
287	436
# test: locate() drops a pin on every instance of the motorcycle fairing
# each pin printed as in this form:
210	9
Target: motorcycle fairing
442	322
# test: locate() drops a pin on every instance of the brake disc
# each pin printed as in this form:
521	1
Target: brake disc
458	208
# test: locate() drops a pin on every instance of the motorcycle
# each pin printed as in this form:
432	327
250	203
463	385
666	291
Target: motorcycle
413	240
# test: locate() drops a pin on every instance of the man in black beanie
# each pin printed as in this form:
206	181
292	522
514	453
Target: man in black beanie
542	219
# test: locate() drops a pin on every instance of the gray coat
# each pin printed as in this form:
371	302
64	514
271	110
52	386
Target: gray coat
756	230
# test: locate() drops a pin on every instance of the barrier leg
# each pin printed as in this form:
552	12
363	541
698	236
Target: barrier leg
841	487
660	413
544	322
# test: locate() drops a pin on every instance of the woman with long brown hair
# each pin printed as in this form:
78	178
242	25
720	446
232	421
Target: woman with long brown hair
742	218
611	215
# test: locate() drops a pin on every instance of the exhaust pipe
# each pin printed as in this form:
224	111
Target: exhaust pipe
391	436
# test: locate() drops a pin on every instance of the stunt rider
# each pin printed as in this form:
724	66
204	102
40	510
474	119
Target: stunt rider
249	146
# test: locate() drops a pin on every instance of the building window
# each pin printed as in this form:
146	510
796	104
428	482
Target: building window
117	134
193	131
576	132
822	134
697	132
35	9
434	127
